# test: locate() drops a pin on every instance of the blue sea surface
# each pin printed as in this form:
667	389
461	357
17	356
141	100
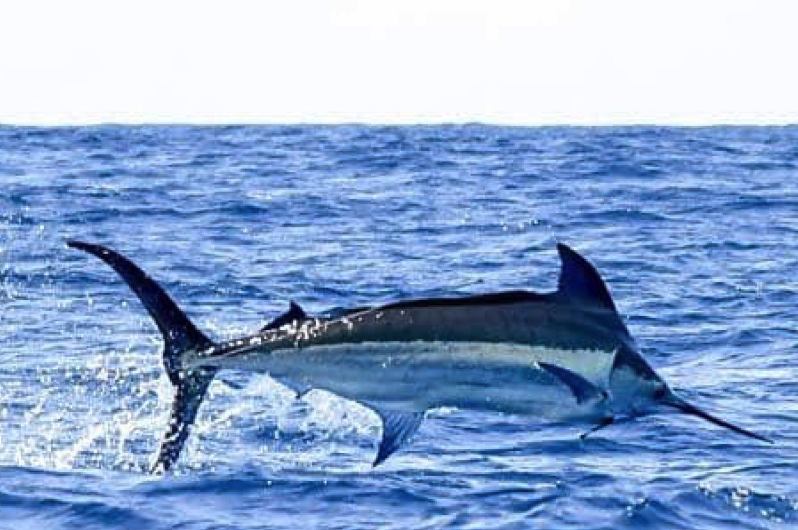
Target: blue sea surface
694	229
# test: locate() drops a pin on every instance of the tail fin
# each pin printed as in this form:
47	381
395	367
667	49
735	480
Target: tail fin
179	335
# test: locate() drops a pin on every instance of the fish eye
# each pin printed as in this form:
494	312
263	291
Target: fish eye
659	393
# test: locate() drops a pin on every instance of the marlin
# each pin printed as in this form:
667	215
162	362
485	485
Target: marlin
563	355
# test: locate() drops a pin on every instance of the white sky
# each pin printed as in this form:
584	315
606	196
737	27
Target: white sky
406	61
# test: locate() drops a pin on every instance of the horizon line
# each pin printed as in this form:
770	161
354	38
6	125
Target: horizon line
400	123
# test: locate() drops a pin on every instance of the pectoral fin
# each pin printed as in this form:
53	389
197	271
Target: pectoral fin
582	389
606	422
397	428
234	385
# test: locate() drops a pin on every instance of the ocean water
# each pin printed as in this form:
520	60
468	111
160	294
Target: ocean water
695	230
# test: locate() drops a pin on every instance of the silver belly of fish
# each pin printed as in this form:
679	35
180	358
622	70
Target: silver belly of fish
420	375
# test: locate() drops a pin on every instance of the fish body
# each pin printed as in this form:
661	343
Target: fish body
564	355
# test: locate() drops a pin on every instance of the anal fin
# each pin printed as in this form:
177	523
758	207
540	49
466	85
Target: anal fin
397	428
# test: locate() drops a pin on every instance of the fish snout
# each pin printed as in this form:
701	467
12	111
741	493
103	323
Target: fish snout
674	402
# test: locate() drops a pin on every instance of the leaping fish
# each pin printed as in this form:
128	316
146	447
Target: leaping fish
563	355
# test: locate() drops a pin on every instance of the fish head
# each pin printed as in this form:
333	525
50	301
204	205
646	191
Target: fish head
638	390
634	386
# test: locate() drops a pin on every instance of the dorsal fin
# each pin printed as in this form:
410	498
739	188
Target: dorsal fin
294	314
579	280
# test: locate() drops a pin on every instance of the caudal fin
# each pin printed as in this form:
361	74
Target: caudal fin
179	335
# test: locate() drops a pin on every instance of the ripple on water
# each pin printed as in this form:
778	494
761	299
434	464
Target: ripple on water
693	228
